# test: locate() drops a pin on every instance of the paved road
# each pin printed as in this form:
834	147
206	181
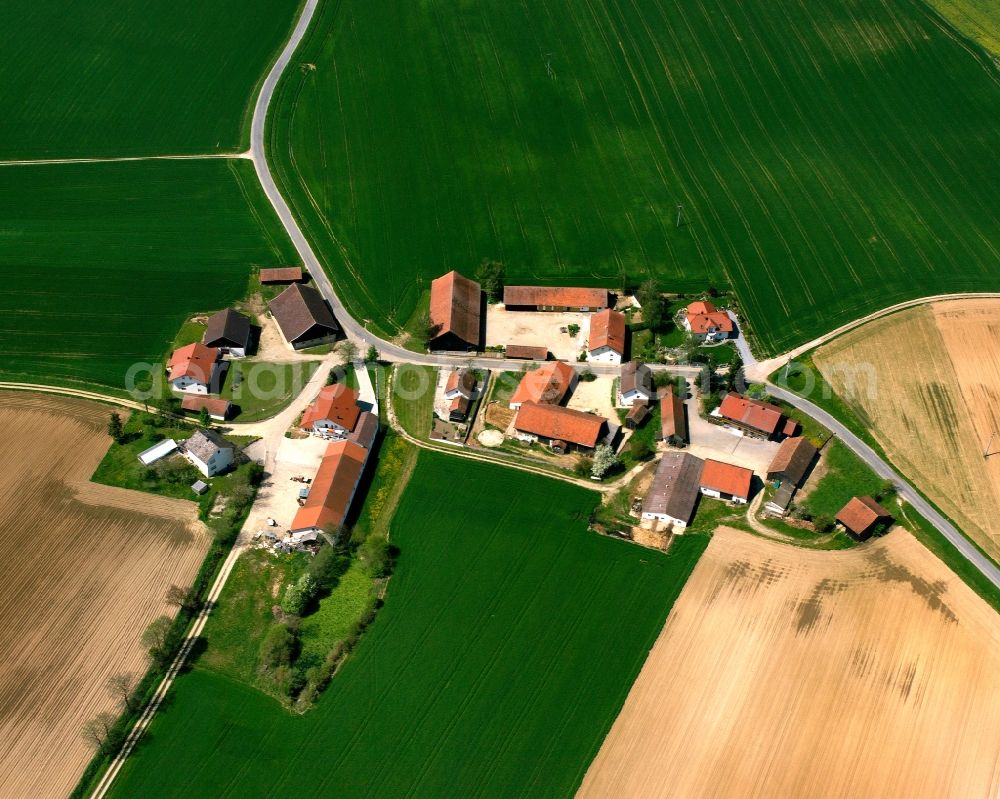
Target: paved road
906	491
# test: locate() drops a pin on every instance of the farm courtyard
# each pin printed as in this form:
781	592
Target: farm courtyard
783	672
85	569
926	382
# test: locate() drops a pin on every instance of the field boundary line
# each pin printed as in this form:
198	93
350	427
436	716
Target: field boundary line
41	388
119	159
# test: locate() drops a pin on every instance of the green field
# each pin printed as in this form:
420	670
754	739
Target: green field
977	19
101	263
507	644
121	77
831	156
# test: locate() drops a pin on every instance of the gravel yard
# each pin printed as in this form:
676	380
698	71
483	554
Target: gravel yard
537	328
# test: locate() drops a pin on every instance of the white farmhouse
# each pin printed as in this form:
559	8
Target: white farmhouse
209	452
192	368
636	384
606	343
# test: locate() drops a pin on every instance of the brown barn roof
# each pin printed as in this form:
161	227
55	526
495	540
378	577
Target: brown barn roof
215	406
555	422
638	412
727	478
673	422
674	490
636	376
281	274
793	459
559	296
861	513
337	403
333	486
455	307
299	308
365	430
526	352
607	329
752	413
549	383
227	327
195	361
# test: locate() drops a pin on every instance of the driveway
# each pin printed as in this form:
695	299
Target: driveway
714	441
537	329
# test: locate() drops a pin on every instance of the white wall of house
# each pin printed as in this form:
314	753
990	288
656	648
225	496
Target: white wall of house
236	352
327	427
629	398
711	492
677	523
604	355
189	385
221	460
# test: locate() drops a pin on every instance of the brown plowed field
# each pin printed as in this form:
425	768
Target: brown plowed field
784	672
926	382
83	571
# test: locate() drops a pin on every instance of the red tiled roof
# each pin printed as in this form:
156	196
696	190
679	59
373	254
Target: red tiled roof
455	307
701	307
281	274
214	406
792	459
791	427
195	361
333	486
673	422
607	329
752	413
861	513
337	403
707	322
527	352
558	296
726	478
462	381
548	383
555	422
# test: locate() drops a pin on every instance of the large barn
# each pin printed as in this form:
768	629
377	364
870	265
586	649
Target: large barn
456	313
554	298
304	317
674	492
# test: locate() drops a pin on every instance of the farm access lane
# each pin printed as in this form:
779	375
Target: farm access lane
906	491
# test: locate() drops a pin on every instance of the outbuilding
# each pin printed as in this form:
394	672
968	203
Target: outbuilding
673	419
456	313
303	316
673	494
863	516
228	331
554	298
726	481
560	428
606	343
792	461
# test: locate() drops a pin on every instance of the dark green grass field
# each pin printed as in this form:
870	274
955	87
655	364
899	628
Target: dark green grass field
128	77
101	263
831	156
506	646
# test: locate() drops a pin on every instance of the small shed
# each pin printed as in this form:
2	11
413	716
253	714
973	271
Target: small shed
199	487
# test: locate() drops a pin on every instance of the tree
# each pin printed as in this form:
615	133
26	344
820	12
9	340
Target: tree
327	566
204	418
121	686
299	594
372	355
491	277
97	730
573	329
604	461
180	597
156	637
115	428
348	351
653	310
278	647
886	490
640	449
377	555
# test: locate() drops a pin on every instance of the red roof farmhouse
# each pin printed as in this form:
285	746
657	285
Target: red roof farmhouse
756	418
456	312
192	368
560	428
606	342
725	481
549	384
335	411
553	298
218	409
707	323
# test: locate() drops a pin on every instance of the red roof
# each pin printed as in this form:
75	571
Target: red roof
333	486
555	422
607	329
195	361
752	413
455	307
710	322
548	383
861	513
557	296
673	422
463	381
726	478
281	274
215	406
337	403
527	352
701	307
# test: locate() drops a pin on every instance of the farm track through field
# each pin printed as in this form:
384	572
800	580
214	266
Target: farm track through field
47	161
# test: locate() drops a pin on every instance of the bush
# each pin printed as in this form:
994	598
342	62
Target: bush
573	329
822	523
586	375
640	449
327	566
377	555
278	649
299	594
583	466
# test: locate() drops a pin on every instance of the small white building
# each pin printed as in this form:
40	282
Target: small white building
636	384
209	452
157	451
192	369
606	343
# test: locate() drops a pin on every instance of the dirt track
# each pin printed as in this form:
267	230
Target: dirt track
83	573
783	672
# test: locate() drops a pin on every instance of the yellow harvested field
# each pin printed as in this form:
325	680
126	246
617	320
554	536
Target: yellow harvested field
785	672
926	382
84	571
